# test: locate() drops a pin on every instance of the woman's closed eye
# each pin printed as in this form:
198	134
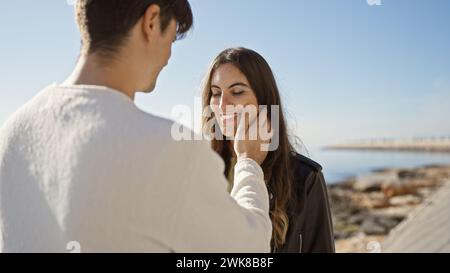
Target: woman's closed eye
238	93
215	93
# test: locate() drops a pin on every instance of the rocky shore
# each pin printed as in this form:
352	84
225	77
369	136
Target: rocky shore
366	208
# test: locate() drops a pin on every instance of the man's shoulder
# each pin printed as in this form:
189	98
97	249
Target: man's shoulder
23	115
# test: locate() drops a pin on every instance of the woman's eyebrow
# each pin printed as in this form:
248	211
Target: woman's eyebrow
238	84
231	86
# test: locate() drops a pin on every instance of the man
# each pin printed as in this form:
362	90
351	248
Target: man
81	165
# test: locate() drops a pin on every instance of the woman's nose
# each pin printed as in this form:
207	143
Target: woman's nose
224	102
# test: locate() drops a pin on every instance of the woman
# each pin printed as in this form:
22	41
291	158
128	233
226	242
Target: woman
299	207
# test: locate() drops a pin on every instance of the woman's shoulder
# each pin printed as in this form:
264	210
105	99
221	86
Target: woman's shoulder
307	172
307	162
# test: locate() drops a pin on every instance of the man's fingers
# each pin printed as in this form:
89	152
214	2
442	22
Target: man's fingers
265	129
242	128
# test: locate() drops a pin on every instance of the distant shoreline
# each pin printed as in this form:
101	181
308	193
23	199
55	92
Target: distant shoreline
441	145
394	149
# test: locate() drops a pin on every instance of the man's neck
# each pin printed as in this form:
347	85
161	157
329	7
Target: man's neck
90	70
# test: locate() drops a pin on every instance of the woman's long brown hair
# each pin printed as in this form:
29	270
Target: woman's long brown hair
277	166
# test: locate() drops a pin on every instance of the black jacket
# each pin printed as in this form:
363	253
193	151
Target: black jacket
310	224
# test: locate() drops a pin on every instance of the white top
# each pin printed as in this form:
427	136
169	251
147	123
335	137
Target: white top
84	164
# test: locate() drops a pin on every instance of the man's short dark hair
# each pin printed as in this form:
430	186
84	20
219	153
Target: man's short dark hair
105	24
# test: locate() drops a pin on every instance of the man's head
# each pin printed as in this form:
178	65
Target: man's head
143	30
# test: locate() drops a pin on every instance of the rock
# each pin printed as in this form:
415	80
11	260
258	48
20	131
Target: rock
405	200
398	187
410	174
373	182
425	183
373	200
357	219
379	224
344	230
344	185
388	222
398	213
340	200
371	227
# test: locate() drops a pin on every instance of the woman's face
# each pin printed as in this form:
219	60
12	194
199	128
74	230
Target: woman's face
229	87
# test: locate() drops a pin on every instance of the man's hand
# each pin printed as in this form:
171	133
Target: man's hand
248	142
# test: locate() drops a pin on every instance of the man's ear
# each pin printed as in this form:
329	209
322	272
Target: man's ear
151	21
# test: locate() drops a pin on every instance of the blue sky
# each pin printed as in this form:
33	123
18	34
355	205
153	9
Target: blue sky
346	70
